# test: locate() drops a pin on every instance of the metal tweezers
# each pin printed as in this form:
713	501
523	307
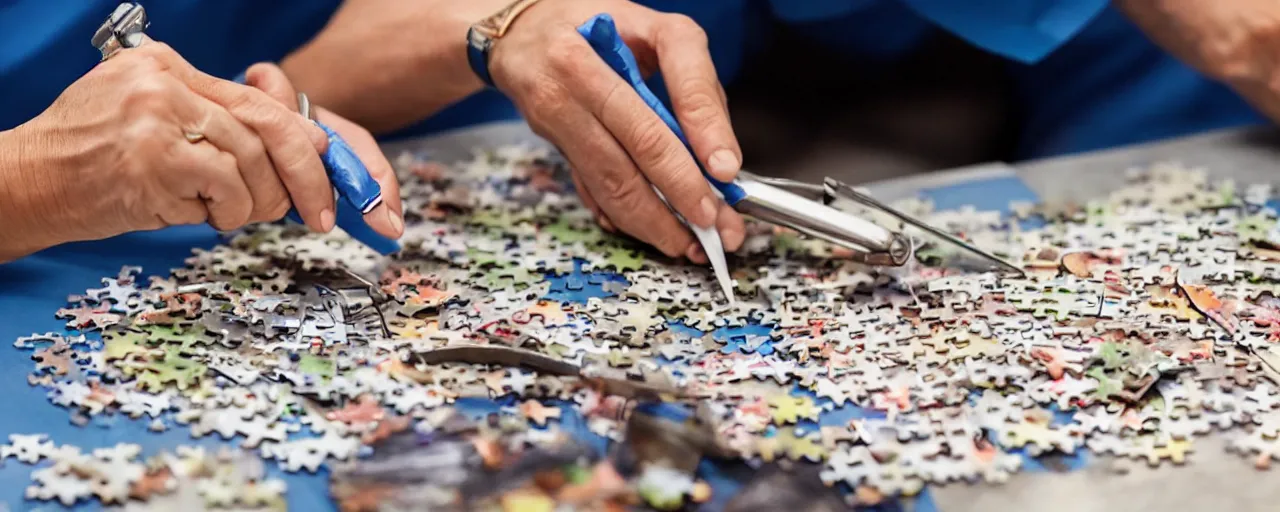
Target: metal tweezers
814	210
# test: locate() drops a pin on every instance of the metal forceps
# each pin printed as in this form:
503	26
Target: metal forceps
814	210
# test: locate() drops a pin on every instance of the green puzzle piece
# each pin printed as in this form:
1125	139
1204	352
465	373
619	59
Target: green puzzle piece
173	368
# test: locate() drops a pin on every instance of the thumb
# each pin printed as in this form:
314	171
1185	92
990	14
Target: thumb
270	79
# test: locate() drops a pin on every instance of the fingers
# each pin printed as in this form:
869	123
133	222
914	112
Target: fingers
290	144
733	229
616	186
271	80
652	145
270	199
203	172
590	203
696	96
388	218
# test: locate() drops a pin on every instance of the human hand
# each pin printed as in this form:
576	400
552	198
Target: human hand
614	143
414	57
1236	42
111	155
388	217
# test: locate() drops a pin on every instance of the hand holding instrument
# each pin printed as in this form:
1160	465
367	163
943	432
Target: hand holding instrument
810	209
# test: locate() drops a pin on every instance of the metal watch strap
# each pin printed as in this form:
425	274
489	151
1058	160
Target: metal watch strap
482	34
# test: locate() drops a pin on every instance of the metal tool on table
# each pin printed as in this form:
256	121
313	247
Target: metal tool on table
814	210
126	28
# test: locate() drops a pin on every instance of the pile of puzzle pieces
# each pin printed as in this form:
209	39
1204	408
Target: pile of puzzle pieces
1145	319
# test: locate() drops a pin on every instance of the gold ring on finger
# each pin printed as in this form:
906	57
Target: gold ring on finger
194	137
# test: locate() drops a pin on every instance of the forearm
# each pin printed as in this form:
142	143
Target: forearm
26	208
1232	42
390	79
1216	38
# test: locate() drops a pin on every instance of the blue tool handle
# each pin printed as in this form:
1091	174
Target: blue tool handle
348	174
602	35
359	191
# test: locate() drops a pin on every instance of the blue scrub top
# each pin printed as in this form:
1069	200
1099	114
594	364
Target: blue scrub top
1085	77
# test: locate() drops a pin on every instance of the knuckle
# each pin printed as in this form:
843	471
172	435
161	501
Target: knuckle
647	140
184	214
651	142
239	97
154	55
1234	58
699	104
624	192
293	163
671	244
685	28
239	214
566	53
149	95
277	210
254	107
155	49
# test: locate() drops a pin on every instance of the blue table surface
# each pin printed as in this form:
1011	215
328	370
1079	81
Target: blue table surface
32	289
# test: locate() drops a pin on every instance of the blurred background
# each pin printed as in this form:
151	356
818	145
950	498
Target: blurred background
803	110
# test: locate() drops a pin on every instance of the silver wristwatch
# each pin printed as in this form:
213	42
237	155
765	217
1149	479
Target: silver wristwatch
123	29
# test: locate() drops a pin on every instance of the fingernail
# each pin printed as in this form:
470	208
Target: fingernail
396	223
696	254
605	224
723	162
709	210
326	220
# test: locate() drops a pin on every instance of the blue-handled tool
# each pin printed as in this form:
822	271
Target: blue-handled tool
359	193
603	37
810	209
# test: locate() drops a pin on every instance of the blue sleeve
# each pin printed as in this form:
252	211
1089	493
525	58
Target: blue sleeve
44	44
1022	30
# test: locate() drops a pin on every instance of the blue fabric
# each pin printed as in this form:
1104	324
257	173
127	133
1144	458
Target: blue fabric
1023	30
1110	86
46	42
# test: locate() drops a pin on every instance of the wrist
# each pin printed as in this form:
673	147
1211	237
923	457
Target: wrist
32	217
485	33
400	79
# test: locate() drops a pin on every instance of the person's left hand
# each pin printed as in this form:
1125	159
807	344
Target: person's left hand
386	218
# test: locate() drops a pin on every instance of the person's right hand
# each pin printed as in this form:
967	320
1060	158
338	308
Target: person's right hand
111	155
617	147
402	61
